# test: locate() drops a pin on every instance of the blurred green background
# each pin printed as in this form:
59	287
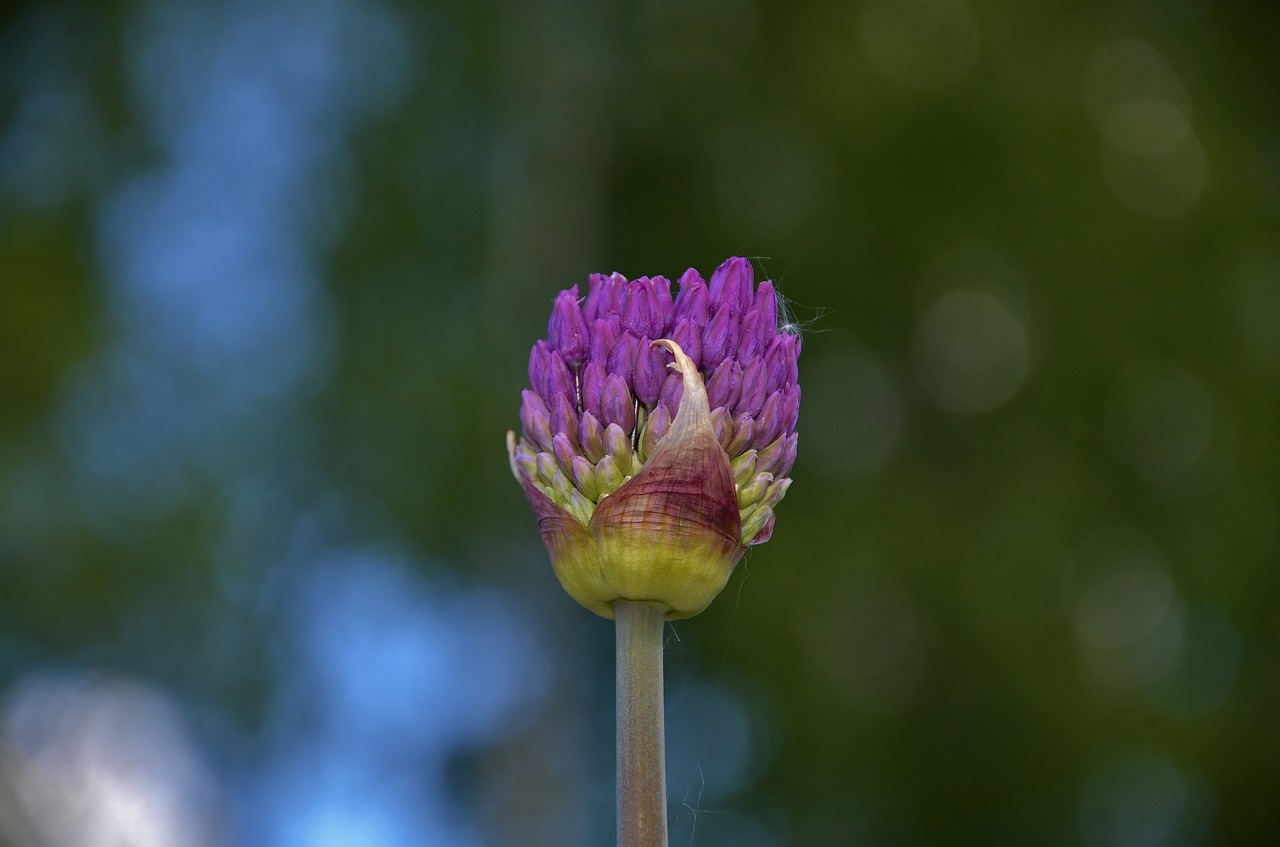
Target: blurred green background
269	275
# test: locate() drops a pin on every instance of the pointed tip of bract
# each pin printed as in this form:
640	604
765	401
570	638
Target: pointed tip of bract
695	409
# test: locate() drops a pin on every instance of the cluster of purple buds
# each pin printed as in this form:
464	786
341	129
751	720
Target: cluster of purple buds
683	406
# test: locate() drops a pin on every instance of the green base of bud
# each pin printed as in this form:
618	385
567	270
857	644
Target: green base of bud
671	534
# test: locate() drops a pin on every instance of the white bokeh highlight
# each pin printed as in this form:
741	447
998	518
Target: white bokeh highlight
91	760
1149	154
972	351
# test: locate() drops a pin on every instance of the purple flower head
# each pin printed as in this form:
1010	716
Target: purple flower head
659	433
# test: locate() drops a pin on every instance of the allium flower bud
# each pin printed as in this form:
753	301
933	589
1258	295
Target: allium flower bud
652	465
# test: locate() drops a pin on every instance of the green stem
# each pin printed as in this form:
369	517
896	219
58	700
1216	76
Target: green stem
642	769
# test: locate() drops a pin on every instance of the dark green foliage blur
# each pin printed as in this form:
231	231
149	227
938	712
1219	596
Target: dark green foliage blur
1024	587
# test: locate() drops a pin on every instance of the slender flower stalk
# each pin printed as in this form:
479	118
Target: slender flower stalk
642	769
656	442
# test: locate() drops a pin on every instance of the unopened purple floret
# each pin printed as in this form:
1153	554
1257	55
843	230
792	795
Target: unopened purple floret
720	338
687	334
567	331
694	301
651	372
604	336
725	384
731	285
